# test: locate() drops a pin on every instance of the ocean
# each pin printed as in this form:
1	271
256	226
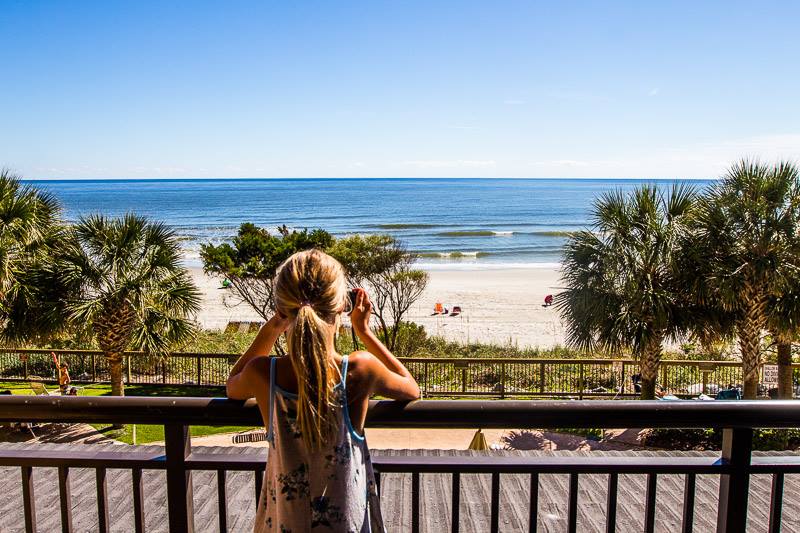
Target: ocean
451	223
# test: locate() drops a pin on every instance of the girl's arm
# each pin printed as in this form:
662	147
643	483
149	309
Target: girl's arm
241	383
387	375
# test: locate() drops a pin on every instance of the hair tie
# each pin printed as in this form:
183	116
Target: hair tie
305	303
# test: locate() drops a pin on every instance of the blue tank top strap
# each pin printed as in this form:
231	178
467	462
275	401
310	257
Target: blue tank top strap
345	408
344	372
272	367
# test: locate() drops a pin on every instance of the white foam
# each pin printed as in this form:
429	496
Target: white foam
484	265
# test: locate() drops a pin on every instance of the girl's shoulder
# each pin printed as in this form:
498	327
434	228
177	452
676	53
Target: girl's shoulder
360	366
359	359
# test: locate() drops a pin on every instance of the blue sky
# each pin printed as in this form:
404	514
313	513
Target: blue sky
441	89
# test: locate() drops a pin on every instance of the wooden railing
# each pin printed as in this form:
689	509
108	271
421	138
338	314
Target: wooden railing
438	377
734	465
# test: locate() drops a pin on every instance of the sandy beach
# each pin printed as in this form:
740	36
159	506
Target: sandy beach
499	305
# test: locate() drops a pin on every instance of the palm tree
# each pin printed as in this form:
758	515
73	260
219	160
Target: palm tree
784	324
129	287
621	283
29	225
745	256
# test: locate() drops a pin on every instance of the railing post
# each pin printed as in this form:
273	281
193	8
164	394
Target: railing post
164	371
464	379
580	381
128	368
541	378
94	368
734	487
502	380
177	445
27	372
425	380
199	369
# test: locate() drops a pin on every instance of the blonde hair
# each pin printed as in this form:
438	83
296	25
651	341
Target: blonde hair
310	289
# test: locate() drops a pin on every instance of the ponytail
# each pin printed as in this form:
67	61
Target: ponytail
316	376
310	289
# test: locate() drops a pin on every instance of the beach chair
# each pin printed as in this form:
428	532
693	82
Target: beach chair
39	389
729	394
438	309
636	379
456	311
250	436
21	426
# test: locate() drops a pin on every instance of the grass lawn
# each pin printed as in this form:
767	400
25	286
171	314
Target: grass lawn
144	433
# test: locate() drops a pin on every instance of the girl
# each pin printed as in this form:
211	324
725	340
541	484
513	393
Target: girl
318	476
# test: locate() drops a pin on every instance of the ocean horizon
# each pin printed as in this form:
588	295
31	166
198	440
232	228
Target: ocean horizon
452	223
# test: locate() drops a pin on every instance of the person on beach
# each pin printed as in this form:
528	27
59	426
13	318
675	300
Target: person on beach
314	402
63	378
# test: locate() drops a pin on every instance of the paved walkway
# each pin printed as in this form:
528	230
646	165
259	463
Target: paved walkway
459	439
58	433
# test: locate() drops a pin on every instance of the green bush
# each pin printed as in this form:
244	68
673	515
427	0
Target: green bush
711	439
410	338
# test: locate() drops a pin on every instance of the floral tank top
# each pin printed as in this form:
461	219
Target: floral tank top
330	489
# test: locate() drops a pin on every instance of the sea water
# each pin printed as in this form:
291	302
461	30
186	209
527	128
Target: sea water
451	223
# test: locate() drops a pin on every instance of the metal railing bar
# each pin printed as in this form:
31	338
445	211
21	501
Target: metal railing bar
415	502
611	504
65	499
29	508
689	489
250	461
734	486
533	506
572	508
180	500
495	503
417	414
517	376
103	522
550	464
222	501
455	505
79	458
776	503
138	500
650	506
258	480
774	463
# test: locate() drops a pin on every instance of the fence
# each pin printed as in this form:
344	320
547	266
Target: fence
733	466
438	377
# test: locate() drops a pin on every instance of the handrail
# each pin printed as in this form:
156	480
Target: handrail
733	466
430	359
417	414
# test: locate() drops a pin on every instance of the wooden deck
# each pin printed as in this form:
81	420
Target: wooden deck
396	496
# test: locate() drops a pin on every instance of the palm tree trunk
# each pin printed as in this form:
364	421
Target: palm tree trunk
117	386
750	329
785	370
648	367
115	368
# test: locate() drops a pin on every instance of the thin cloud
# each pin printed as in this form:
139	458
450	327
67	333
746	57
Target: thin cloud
458	163
654	91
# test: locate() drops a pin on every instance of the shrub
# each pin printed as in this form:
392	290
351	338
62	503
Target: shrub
711	439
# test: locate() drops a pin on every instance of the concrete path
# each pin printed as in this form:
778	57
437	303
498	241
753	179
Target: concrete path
456	439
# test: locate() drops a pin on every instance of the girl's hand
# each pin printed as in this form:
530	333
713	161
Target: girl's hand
359	318
279	323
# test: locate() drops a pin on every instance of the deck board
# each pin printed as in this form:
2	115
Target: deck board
435	497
